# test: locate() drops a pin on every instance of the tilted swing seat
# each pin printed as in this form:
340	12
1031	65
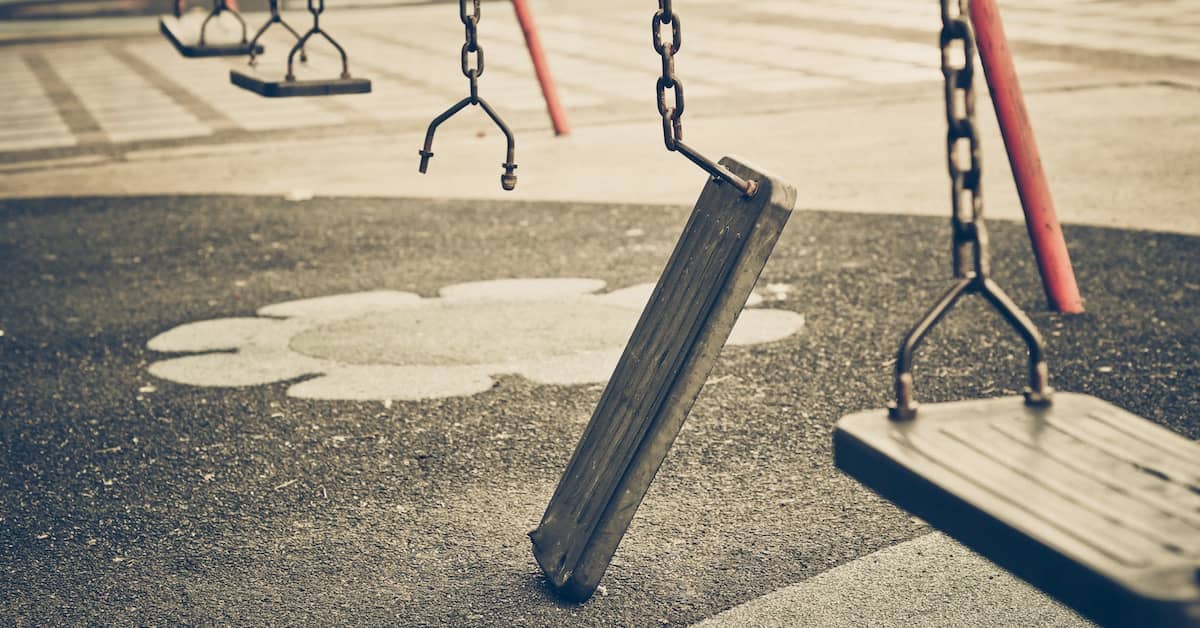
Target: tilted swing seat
732	230
275	86
1094	505
194	40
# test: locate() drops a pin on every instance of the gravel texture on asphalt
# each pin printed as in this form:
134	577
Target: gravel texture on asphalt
186	505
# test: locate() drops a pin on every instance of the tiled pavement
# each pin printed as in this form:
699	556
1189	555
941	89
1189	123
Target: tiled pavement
115	93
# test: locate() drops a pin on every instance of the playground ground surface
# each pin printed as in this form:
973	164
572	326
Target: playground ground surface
135	498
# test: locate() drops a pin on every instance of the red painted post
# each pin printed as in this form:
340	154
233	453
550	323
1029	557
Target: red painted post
558	118
1049	246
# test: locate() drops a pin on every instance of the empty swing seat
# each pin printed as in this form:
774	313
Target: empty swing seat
279	86
1086	501
284	82
184	33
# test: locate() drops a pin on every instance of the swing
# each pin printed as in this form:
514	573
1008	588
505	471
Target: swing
194	41
707	280
508	179
1094	505
288	85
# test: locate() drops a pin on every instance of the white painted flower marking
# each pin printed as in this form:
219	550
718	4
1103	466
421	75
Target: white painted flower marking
397	345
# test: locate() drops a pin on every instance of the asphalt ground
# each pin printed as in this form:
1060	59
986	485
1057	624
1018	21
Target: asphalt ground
125	504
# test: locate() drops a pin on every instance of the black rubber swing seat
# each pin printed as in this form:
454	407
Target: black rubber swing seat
1086	501
281	87
187	41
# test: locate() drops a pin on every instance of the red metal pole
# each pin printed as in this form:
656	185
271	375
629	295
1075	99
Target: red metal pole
558	118
1049	246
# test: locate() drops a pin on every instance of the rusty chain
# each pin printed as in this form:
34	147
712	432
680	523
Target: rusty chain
972	267
471	24
970	252
472	68
671	108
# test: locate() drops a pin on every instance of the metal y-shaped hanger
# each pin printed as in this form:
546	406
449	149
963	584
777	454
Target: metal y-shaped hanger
508	180
275	18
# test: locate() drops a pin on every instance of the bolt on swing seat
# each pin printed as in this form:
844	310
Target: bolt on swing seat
190	34
275	85
1094	505
717	260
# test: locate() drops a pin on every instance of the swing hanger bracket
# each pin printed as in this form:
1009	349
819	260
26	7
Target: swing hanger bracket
273	18
1037	392
219	7
969	236
508	180
472	68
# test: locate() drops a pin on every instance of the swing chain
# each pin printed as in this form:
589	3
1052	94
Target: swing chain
970	250
671	116
970	236
470	21
672	112
471	24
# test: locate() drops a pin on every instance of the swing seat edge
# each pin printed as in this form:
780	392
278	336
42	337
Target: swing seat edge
283	88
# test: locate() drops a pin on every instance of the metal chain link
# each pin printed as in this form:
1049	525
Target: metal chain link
671	116
970	250
471	23
671	107
472	68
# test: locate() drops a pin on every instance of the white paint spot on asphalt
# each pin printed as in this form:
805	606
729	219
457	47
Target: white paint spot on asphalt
218	335
521	289
778	291
759	326
389	345
342	305
235	369
411	383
